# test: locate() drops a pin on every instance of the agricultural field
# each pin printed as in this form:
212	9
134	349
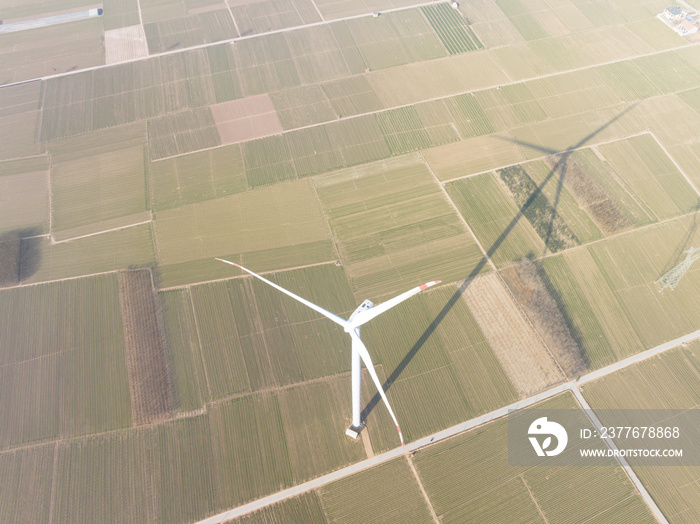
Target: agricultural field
68	378
98	188
44	261
384	247
667	381
44	51
539	158
196	177
609	294
468	479
146	362
523	356
271	339
19	111
494	218
263	222
27	180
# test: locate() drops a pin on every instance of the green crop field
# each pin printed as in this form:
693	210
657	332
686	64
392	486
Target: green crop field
31	470
131	246
270	344
375	488
42	51
667	381
260	232
403	130
468	479
98	188
395	39
19	110
451	28
351	96
610	295
494	218
196	177
302	106
69	377
384	247
27	180
302	508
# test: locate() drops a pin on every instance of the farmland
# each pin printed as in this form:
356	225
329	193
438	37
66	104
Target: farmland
381	243
71	374
668	381
468	478
539	158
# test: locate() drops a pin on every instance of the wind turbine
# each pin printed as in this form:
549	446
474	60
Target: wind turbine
363	314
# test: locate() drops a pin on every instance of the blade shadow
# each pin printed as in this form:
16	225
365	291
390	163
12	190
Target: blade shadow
489	253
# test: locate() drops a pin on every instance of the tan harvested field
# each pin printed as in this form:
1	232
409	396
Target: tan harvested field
146	363
524	358
125	43
246	118
275	217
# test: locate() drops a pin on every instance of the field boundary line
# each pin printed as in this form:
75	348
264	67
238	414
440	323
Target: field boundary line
621	460
54	475
441	185
54	242
436	520
447	433
534	500
668	154
199	343
327	221
235	24
317	10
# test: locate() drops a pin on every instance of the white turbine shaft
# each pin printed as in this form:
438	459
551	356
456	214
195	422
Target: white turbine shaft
356	385
370	368
359	351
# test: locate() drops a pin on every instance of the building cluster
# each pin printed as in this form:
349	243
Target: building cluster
679	20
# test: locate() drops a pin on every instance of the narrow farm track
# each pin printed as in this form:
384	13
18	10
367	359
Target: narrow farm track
572	386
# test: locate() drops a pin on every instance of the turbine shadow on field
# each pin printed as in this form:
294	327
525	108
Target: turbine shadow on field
491	250
20	255
677	255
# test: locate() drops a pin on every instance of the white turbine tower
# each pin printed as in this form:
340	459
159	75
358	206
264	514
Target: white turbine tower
363	314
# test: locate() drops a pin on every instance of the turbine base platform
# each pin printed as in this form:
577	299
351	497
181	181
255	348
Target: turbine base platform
354	431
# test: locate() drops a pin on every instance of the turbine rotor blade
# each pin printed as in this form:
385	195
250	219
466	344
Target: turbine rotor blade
365	316
364	354
319	309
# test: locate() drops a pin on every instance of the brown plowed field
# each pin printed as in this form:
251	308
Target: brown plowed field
149	382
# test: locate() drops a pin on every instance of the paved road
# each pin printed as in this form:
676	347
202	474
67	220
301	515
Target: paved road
464	426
